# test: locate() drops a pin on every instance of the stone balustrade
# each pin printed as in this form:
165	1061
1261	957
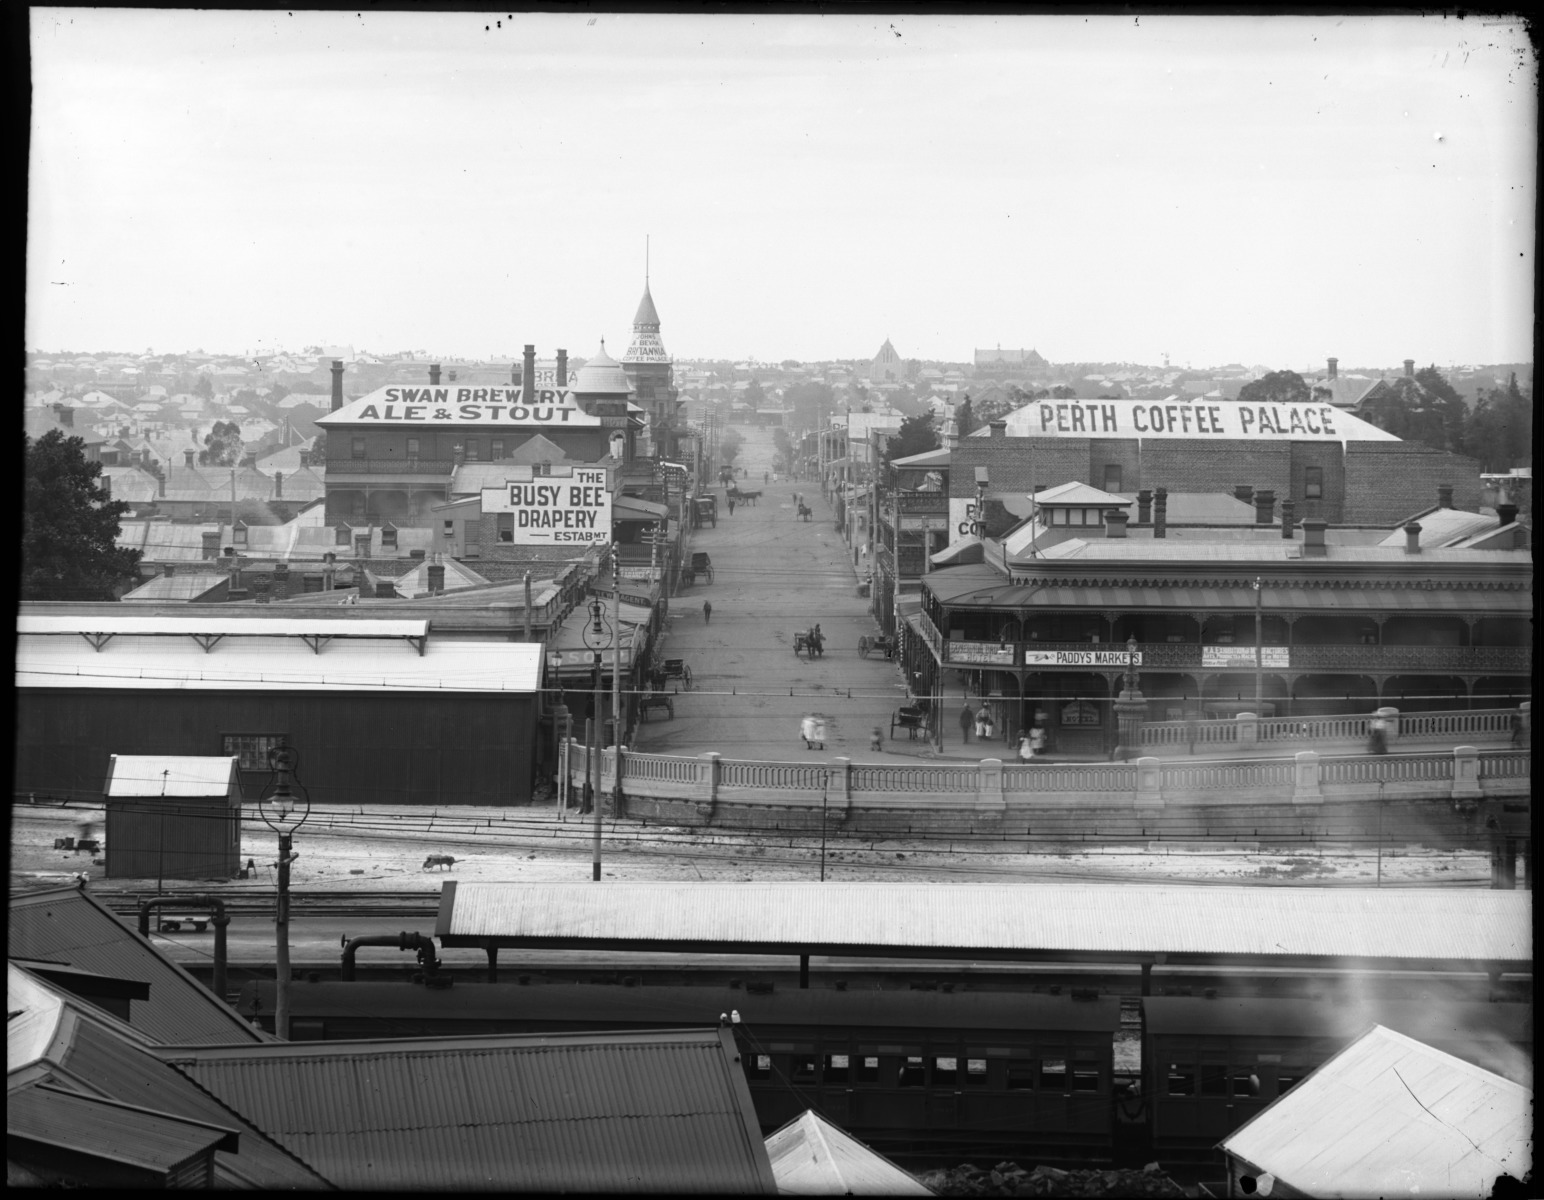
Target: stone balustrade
1247	729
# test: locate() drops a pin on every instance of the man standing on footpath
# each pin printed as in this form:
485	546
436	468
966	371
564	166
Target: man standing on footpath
707	611
967	719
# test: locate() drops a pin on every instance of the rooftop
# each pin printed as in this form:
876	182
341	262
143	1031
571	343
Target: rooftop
170	775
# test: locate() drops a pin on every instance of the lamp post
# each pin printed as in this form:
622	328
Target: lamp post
1259	651
595	638
1130	708
282	813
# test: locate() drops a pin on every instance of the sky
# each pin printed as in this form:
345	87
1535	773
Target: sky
1261	190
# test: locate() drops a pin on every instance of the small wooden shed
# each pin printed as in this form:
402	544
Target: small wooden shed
173	817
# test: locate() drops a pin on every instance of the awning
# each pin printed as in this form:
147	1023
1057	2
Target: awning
568	655
632	508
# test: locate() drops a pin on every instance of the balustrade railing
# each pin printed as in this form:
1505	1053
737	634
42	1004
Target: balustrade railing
888	779
664	768
1039	778
922	503
930	634
801	777
389	466
1445	725
1386	768
1414	658
1227	776
1505	764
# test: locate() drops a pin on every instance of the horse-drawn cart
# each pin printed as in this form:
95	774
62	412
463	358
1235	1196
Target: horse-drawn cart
673	668
701	565
810	642
881	644
911	718
650	700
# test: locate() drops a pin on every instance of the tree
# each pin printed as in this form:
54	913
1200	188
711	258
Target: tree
318	451
222	445
69	526
729	446
1279	387
964	417
1499	432
917	435
1450	406
203	389
754	396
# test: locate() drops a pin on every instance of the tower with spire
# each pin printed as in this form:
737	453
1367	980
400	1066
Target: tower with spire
649	371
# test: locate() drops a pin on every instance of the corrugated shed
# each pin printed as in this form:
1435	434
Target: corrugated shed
1130	919
1389	1114
68	925
105	1129
189	586
812	1157
646	1112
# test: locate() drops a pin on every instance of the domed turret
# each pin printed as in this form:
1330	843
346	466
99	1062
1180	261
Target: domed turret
602	375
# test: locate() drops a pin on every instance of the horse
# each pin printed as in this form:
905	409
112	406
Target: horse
805	513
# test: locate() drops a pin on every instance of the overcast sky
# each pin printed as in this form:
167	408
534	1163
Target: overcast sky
1258	190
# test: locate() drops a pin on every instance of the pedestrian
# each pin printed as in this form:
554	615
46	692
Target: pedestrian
1519	727
731	506
967	719
1377	736
707	611
766	478
877	739
984	723
1036	741
1026	748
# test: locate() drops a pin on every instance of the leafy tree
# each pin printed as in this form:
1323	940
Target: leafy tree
917	435
729	446
754	396
318	450
222	445
1450	406
965	417
69	525
1062	392
1499	431
1279	387
203	389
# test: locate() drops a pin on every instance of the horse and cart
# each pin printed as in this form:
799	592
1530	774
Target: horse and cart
701	565
810	642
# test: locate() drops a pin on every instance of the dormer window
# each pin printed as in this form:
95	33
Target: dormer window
389	537
341	535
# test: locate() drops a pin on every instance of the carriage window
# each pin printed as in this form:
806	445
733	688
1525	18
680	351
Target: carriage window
1085	1077
1283	1082
975	1071
946	1071
1245	1082
1182	1081
1021	1074
1214	1080
804	1068
837	1068
758	1066
911	1074
868	1069
1053	1074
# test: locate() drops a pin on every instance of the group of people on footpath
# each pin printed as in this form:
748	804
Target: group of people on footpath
1031	741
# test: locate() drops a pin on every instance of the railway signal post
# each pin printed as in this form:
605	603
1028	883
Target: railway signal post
282	814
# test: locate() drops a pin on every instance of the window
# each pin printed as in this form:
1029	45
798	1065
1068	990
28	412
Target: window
358	447
450	529
239	533
1112	476
1021	1074
1053	1074
1214	1080
975	1072
1245	1082
868	1068
1085	1077
1182	1080
251	748
340	536
911	1074
388	539
498	450
506	526
758	1066
473	450
946	1072
1313	483
1283	1082
804	1068
838	1068
412	448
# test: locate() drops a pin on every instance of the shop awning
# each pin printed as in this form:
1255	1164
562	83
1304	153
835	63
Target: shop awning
568	655
632	508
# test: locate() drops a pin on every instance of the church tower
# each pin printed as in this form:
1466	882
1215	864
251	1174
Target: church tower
649	371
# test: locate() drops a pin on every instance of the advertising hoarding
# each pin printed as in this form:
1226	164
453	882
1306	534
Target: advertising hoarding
549	510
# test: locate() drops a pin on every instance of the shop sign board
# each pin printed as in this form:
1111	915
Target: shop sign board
1081	658
1278	657
1201	420
582	658
556	510
987	653
462	406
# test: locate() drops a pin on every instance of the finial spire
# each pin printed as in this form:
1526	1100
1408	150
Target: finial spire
645	262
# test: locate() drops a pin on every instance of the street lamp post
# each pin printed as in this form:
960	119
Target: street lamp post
1130	708
284	815
1259	648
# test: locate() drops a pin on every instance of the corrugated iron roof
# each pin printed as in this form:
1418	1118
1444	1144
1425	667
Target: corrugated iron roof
812	1157
1389	1114
109	1129
223	626
256	663
189	586
639	1112
68	925
1089	921
170	775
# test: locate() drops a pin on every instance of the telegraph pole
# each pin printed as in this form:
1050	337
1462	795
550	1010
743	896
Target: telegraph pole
617	724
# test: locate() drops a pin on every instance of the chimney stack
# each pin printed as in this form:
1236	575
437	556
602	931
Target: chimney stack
1313	537
1507	513
1409	368
160	487
1444	495
434	374
1244	492
1161	512
528	377
452	377
1115	523
187	458
278	485
999	429
1413	538
260	586
562	368
1287	508
385	590
169	569
1264	506
1334	367
337	384
436	573
1144	506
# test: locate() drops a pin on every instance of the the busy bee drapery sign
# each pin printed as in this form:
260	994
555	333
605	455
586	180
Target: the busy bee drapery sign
572	510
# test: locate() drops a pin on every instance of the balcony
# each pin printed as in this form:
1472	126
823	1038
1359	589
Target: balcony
1176	656
922	503
348	467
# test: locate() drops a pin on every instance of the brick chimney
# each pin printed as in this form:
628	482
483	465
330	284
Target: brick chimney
1334	367
337	384
999	428
305	458
1144	506
1264	506
562	368
385	590
1507	513
1444	495
187	457
1409	368
169	569
1244	492
436	574
1115	523
1161	512
1287	513
160	487
434	374
1413	538
528	376
1313	537
452	377
278	485
261	587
